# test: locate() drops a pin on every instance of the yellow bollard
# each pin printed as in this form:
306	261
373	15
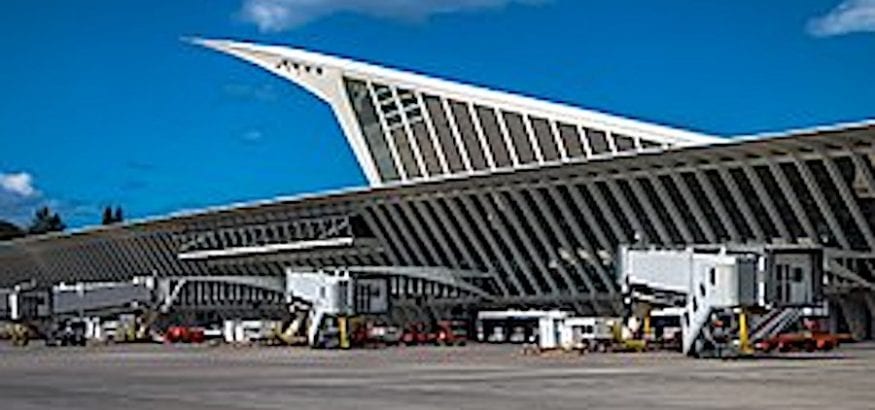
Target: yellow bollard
344	334
743	337
646	333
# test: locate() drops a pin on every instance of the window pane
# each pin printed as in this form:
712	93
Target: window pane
426	148
405	152
444	133
366	114
469	135
571	139
489	124
545	139
624	142
598	141
521	141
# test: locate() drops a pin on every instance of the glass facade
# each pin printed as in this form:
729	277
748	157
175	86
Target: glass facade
571	139
369	123
489	125
624	143
469	135
520	137
598	141
444	133
410	135
545	139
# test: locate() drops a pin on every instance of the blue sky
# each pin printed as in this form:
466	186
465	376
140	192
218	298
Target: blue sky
102	103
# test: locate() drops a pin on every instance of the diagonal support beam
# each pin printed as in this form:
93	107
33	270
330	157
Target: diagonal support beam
766	199
717	205
849	200
822	204
672	208
742	203
695	208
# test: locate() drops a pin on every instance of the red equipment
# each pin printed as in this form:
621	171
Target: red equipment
375	334
444	332
184	334
452	332
415	334
808	341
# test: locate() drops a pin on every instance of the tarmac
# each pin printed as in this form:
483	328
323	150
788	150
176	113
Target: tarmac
165	377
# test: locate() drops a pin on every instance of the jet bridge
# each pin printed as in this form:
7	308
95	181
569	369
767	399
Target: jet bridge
330	295
728	296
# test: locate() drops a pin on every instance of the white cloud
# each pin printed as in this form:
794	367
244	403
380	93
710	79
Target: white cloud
848	17
262	92
18	183
278	15
253	136
19	198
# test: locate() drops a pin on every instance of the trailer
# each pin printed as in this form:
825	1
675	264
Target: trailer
590	334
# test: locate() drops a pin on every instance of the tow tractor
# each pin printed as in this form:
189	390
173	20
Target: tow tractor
375	334
184	334
67	333
441	333
451	332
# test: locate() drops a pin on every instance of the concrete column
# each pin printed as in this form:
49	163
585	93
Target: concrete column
854	311
869	299
833	319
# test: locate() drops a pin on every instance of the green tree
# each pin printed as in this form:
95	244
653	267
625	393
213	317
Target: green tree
111	217
44	221
118	216
9	230
107	216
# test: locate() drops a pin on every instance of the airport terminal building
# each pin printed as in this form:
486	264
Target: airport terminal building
479	197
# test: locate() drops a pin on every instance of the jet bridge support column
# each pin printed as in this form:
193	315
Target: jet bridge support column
857	314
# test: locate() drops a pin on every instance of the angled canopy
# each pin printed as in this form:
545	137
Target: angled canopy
405	127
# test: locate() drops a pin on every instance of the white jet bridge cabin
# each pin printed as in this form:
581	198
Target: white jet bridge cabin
741	295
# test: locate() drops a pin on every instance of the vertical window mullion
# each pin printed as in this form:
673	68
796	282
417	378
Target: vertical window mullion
430	125
411	138
393	149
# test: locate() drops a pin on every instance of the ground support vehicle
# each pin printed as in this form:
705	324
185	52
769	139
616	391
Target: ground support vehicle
20	334
184	334
416	333
289	333
67	333
808	341
441	333
451	333
589	334
375	334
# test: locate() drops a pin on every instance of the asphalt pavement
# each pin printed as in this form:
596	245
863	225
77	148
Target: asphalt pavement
133	377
